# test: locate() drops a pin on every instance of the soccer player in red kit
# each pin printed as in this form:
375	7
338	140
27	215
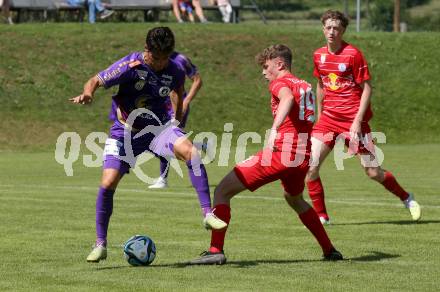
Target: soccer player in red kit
285	157
343	96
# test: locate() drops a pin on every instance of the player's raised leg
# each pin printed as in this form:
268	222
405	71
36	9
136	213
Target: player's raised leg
387	179
316	190
228	188
184	150
104	209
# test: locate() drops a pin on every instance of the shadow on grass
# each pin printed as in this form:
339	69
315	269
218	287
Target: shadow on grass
374	257
237	264
177	265
212	186
398	222
246	264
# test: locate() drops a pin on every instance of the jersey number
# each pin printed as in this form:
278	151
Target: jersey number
307	102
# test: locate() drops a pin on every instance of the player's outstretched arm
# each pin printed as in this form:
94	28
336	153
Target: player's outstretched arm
89	89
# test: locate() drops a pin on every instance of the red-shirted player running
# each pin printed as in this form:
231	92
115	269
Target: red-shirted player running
343	97
285	158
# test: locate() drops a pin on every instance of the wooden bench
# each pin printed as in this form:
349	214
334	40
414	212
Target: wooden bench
46	7
24	6
62	5
151	8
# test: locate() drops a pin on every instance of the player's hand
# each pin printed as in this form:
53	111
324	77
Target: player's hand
81	99
185	107
271	140
355	131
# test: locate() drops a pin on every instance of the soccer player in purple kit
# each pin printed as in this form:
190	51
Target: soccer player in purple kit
145	79
192	73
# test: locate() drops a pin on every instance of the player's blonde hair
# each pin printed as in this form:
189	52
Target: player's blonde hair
275	51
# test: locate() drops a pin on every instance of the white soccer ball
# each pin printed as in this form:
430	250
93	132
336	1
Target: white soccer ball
140	250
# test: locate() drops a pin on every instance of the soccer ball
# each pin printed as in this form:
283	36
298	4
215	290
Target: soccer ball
139	250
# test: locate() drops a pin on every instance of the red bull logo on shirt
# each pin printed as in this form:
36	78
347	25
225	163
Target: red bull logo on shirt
335	82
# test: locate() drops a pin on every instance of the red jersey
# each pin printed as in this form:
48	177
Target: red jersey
341	74
302	114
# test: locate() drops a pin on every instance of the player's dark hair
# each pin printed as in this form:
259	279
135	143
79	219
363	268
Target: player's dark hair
335	15
160	40
276	51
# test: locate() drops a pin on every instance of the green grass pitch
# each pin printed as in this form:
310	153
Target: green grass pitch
47	229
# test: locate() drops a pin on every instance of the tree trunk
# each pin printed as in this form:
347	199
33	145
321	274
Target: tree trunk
396	23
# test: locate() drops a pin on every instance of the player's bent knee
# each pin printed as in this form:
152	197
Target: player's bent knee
374	173
225	190
313	173
228	188
296	202
110	179
294	199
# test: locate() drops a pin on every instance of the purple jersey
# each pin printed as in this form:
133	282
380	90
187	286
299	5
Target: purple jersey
141	87
190	70
184	63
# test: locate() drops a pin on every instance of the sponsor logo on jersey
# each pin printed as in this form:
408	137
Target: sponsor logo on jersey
342	67
152	80
112	74
140	84
166	79
142	74
333	81
164	91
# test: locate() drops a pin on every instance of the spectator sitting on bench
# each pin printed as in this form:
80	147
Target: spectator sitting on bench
197	7
225	9
186	9
93	5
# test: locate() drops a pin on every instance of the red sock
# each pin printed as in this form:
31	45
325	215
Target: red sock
316	192
391	184
223	212
311	220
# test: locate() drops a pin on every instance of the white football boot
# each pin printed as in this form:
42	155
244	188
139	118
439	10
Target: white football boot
98	253
213	222
413	207
161	183
324	221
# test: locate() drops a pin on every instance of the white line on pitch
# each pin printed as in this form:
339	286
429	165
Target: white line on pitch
191	194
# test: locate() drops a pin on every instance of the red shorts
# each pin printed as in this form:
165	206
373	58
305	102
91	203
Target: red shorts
258	170
328	130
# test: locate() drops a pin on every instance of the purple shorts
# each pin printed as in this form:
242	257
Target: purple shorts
120	153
